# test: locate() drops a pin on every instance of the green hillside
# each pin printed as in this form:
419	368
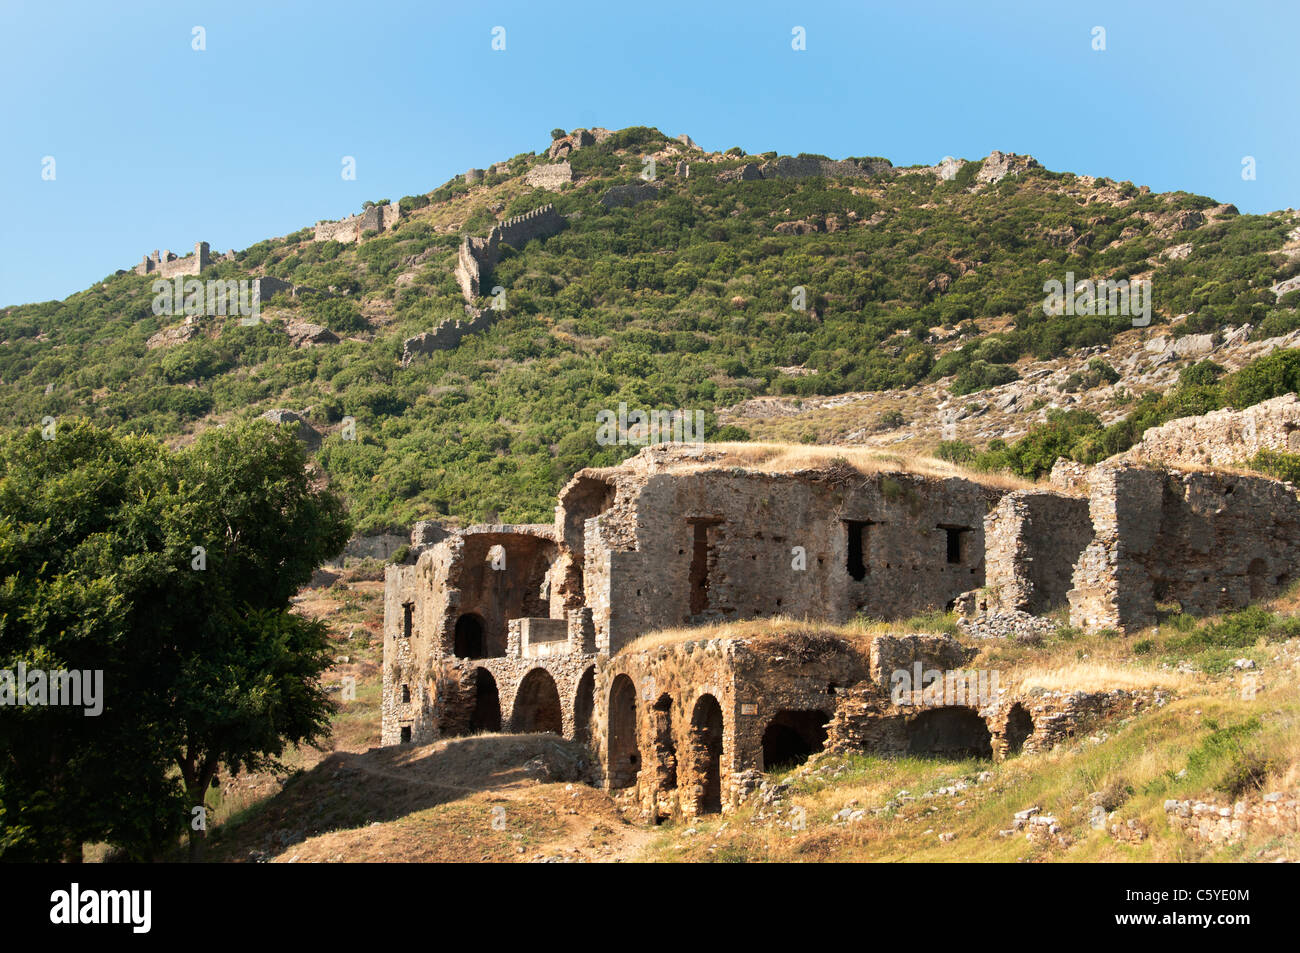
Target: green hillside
681	301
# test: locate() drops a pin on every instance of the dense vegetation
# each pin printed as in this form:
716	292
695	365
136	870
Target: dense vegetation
683	301
170	574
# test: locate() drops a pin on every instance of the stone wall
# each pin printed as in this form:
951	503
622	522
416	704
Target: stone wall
1208	541
168	265
685	548
478	256
1032	541
680	724
376	218
1223	438
550	177
447	335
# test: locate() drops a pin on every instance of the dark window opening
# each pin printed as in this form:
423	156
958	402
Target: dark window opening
665	749
487	703
956	543
408	618
859	545
469	637
791	736
1019	727
406	734
406	694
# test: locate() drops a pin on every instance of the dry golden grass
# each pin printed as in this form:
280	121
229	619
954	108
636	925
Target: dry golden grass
1100	677
788	458
774	627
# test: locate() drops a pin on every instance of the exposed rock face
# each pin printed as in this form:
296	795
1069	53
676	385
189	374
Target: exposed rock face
303	334
631	194
999	165
549	177
168	337
1223	438
948	168
745	173
800	227
302	429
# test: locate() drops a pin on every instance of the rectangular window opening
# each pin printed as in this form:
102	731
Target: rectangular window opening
859	546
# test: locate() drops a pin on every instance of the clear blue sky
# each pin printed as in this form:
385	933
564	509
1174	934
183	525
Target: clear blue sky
158	146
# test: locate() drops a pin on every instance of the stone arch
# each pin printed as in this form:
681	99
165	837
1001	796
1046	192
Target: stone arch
537	704
623	752
706	754
470	636
953	731
584	704
1020	725
486	715
792	735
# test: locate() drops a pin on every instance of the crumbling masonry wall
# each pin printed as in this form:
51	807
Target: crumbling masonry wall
1033	539
687	548
478	256
168	265
1206	540
376	218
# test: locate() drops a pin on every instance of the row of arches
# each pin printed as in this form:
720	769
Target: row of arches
700	765
537	705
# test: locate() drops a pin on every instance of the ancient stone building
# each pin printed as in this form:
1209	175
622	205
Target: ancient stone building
636	621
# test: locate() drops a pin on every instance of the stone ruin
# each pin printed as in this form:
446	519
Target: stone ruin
376	218
593	626
168	265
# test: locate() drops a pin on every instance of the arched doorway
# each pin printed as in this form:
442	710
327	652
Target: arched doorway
537	704
791	736
469	637
584	703
487	703
624	755
950	732
1020	725
706	754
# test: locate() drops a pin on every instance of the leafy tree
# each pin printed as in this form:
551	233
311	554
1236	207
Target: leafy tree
204	665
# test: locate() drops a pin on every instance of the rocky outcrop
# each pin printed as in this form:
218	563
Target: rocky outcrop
301	428
998	165
1223	438
304	334
630	194
1275	814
